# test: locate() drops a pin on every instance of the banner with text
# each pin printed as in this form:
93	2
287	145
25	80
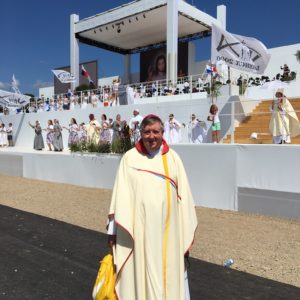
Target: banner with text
239	52
64	76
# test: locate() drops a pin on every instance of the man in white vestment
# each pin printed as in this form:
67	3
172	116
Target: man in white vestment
134	125
172	133
130	95
197	131
284	122
152	220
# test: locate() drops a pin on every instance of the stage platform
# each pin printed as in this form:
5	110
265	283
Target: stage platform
259	179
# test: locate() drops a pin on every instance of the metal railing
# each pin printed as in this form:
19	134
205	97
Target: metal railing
110	95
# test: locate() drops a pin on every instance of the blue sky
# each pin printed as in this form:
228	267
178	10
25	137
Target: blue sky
35	34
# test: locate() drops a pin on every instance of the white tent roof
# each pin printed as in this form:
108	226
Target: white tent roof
10	99
141	24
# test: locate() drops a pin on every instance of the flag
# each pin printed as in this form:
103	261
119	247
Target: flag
14	85
239	52
85	74
212	70
64	76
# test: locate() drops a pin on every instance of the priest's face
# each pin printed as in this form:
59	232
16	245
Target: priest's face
152	136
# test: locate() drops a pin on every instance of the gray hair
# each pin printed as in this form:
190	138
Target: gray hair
151	119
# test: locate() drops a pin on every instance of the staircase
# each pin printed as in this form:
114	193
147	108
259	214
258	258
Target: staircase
258	121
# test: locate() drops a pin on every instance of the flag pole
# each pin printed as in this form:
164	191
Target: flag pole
229	80
211	82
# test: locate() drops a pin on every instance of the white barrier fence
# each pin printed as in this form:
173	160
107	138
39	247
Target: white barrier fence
252	178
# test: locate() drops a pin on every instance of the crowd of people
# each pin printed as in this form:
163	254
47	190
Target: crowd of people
113	95
286	75
108	130
284	124
119	94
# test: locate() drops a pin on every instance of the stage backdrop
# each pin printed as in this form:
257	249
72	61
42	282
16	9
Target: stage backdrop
153	64
90	66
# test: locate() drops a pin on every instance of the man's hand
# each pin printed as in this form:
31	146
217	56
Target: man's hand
111	240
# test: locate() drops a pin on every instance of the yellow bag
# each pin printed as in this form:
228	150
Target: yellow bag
104	287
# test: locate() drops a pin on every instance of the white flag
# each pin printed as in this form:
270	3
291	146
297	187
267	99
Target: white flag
14	85
239	52
64	76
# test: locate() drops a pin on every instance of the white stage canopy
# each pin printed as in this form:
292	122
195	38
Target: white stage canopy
140	25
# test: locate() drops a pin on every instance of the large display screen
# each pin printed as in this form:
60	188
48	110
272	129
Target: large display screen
153	63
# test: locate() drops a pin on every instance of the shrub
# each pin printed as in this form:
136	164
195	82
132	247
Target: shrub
76	147
91	147
104	148
122	145
119	146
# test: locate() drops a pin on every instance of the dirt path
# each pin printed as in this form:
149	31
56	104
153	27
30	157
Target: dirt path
259	245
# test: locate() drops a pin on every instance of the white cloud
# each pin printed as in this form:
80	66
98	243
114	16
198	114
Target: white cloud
39	84
4	85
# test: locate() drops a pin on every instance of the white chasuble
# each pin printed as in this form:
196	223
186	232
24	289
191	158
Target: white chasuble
284	124
156	221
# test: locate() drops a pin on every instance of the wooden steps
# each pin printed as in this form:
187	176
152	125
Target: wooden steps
258	121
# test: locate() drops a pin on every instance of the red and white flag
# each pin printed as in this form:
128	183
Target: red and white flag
85	74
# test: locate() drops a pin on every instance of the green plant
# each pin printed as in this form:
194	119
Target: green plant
104	148
76	147
121	145
291	76
82	87
215	88
243	87
91	147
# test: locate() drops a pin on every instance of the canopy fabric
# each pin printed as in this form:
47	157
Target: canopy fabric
127	30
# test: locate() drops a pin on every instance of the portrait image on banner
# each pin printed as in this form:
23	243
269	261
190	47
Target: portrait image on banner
239	52
153	63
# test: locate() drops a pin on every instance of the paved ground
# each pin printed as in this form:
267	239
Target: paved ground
42	258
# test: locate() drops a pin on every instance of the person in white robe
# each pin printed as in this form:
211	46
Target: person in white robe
72	103
130	95
197	131
3	136
284	122
84	102
152	220
172	133
93	130
134	125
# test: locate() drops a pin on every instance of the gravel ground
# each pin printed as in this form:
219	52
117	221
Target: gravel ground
262	246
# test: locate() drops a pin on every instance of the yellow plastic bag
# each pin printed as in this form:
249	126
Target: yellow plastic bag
104	287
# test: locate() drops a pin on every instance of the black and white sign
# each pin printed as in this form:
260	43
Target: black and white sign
239	52
64	76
